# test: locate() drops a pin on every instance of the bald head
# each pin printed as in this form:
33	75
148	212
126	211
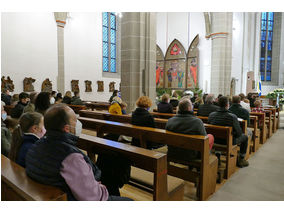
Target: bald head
58	116
185	104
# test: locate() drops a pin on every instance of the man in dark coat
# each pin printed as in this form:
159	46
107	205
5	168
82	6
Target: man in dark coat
165	106
223	117
238	110
208	107
6	97
17	111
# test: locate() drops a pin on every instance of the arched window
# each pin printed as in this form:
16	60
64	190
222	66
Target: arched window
159	68
192	64
175	66
267	22
109	42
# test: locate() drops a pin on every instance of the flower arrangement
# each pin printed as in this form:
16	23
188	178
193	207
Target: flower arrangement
275	92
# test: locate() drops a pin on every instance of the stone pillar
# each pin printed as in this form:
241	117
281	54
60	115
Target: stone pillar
221	52
60	18
138	57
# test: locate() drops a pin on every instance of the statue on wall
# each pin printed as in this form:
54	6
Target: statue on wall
111	86
233	87
28	84
88	85
100	86
7	84
75	86
46	86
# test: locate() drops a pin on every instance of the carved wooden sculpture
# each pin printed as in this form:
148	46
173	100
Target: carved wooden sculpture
111	86
7	84
46	86
88	85
28	84
100	86
75	86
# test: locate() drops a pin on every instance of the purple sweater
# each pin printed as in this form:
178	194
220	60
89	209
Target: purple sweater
80	178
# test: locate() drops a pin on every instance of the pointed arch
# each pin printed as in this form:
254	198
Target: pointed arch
193	63
175	66
160	60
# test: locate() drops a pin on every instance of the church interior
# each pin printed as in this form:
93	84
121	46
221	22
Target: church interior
94	62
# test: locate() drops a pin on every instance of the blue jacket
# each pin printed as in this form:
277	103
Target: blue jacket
28	141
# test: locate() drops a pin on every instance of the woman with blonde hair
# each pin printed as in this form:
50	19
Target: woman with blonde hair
141	117
165	106
67	98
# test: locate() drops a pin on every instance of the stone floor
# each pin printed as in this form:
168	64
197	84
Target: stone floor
263	179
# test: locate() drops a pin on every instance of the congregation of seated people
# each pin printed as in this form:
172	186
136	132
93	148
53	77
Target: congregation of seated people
43	135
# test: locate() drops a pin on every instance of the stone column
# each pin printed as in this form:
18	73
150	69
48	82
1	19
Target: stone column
221	52
60	18
138	57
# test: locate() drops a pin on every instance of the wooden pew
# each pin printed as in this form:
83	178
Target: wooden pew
208	165
17	186
269	122
148	160
97	105
220	132
274	119
8	109
255	132
277	117
261	125
77	108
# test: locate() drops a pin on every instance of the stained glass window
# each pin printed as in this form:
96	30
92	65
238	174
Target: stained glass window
109	42
267	19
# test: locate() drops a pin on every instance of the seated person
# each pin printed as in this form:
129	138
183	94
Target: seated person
29	130
208	107
53	96
115	107
6	97
55	160
141	117
17	111
197	103
6	136
174	99
67	98
75	100
243	103
238	110
114	94
186	123
58	98
216	101
224	118
164	106
31	105
258	108
42	102
14	99
123	107
194	97
251	98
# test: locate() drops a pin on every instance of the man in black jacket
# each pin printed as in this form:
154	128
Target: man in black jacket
186	123
165	106
238	110
224	118
208	107
17	111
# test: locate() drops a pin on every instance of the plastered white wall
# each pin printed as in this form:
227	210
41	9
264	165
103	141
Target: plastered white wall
184	27
83	55
28	48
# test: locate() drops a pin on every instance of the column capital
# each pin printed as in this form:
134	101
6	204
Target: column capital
60	18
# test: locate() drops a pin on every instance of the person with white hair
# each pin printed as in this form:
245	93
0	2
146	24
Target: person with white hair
208	107
186	123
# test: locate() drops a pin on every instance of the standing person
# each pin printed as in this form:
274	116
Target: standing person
165	106
75	100
6	136
17	111
224	118
208	107
42	102
6	96
186	123
141	117
67	97
30	129
31	105
115	93
53	96
55	160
